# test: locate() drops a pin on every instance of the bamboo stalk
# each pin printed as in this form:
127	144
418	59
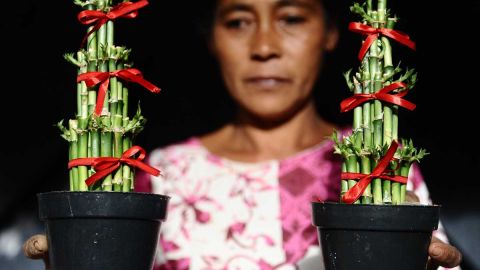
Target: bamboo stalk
344	183
117	150
106	151
105	121
92	64
375	110
367	196
390	111
353	167
128	177
404	171
82	153
73	125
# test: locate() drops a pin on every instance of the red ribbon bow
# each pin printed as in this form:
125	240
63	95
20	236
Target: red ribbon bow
106	165
131	75
373	34
380	171
397	99
127	10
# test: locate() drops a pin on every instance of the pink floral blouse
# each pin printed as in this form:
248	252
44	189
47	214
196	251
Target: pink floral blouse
225	214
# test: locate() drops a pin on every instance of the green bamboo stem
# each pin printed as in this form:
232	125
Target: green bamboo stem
390	68
387	140
396	189
367	145
353	167
82	153
91	65
105	120
390	111
112	66
106	151
125	102
374	73
73	126
358	116
117	150
91	95
369	7
404	171
377	188
70	172
127	175
121	101
396	193
382	12
367	196
82	96
344	183
373	60
82	131
366	119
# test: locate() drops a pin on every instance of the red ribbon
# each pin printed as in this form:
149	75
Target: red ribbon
373	34
103	78
106	165
380	171
397	99
127	10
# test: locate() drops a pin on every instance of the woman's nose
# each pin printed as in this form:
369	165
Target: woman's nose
265	44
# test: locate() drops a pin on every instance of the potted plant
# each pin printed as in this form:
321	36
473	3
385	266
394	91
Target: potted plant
101	223
373	227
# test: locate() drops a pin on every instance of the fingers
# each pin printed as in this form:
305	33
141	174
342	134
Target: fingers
411	197
444	254
36	247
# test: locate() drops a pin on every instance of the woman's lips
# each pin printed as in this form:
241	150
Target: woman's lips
267	81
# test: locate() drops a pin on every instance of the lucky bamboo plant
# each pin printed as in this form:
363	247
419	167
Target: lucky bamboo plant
103	126
374	170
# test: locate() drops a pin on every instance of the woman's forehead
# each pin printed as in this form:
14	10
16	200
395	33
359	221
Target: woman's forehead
272	3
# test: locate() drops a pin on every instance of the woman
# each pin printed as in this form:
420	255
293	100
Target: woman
240	195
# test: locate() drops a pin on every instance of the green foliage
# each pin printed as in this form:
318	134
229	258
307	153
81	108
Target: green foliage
409	153
348	79
360	9
64	132
136	125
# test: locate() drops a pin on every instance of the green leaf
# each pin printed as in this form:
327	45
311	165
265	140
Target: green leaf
137	124
360	10
348	79
65	133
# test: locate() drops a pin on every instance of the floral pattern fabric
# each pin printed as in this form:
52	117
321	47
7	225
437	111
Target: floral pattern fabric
225	214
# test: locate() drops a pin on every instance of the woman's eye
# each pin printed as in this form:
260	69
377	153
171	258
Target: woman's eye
236	23
293	20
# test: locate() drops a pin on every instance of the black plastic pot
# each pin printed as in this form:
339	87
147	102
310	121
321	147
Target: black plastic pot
102	230
374	237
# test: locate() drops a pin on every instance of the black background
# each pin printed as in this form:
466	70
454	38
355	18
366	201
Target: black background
38	90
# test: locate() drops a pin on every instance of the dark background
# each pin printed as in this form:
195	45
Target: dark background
38	90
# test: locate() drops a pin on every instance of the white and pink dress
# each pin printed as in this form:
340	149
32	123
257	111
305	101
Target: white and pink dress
225	214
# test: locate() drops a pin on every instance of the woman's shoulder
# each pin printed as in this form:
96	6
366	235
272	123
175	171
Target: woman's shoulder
183	149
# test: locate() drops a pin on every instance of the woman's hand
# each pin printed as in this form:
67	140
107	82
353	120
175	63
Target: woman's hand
442	254
36	247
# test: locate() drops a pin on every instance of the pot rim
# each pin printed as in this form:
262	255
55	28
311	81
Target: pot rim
101	204
331	215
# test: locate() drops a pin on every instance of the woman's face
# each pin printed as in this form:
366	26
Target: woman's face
270	52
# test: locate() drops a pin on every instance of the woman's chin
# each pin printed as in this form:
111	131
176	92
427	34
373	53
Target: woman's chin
270	116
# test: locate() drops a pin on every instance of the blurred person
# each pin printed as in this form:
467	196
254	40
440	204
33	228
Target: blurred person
240	195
